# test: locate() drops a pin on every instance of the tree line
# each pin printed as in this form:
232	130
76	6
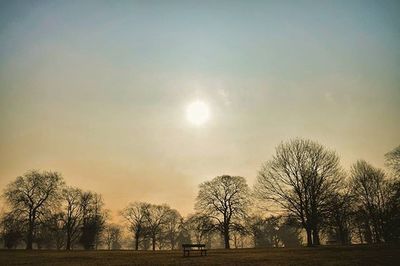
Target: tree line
302	196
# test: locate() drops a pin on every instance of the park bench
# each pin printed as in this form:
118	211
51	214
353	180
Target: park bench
187	248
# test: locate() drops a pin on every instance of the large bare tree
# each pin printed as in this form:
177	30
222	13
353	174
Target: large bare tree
224	199
31	195
301	178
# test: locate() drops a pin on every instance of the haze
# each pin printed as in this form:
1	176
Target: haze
97	90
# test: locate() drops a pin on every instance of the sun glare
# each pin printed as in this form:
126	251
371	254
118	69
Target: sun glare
197	112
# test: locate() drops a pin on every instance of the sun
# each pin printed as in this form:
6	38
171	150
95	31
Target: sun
198	113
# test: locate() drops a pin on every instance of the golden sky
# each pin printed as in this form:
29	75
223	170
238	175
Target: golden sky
98	90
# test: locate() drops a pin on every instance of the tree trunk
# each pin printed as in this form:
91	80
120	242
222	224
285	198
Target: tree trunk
315	237
68	247
309	237
226	238
154	242
137	242
29	239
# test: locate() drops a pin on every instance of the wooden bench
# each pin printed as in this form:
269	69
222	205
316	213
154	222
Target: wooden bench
194	247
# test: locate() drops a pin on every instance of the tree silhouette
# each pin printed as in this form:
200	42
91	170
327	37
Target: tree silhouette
301	178
224	200
29	196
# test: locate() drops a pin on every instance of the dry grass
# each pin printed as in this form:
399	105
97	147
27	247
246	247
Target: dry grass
353	255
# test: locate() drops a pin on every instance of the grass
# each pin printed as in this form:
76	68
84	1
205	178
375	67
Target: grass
351	255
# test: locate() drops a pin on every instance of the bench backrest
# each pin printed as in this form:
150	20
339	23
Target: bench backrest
193	246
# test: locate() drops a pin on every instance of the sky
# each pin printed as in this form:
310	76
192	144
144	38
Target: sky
98	90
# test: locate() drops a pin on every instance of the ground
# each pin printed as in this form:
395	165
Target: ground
351	255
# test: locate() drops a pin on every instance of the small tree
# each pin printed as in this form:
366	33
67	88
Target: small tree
224	200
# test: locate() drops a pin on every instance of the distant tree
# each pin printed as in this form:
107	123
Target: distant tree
393	160
93	219
73	215
172	227
156	218
200	226
12	230
274	231
289	232
369	188
339	217
391	232
50	231
135	214
301	177
224	200
112	236
30	195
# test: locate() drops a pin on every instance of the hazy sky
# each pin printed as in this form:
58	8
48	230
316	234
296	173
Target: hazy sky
98	90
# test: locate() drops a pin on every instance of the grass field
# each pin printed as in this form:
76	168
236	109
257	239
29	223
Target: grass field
353	255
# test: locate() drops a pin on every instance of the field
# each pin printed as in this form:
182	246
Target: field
353	255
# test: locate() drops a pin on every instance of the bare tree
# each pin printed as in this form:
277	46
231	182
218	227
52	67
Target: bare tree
300	178
29	196
369	190
93	219
112	236
393	160
135	214
200	226
172	227
73	215
224	199
156	218
12	230
338	222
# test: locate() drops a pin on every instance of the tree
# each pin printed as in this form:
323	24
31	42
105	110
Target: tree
339	217
30	195
172	227
224	200
156	218
273	231
93	219
391	227
301	178
50	231
11	231
135	215
73	215
369	190
200	226
112	236
393	160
